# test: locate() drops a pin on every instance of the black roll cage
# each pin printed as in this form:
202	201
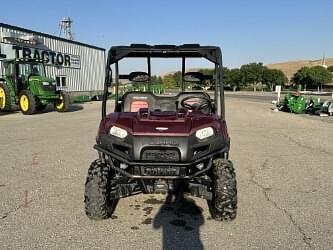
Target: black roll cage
211	53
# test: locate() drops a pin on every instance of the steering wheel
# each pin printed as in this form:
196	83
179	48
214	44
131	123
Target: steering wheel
200	105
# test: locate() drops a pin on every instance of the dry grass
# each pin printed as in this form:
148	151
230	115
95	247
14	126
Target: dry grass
289	68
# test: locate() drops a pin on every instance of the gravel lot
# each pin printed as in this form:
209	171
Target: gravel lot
284	166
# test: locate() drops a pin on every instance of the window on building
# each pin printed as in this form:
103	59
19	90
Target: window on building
61	81
58	81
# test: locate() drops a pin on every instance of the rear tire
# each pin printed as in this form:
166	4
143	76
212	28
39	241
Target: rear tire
5	103
27	102
98	204
223	206
62	105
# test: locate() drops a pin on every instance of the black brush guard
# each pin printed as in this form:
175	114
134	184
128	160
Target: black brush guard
208	158
128	189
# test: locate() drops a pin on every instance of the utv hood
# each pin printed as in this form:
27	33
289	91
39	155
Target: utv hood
162	123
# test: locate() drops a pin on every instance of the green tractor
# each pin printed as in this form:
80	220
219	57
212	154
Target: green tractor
24	82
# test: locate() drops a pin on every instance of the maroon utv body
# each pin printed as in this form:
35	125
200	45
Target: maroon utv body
163	144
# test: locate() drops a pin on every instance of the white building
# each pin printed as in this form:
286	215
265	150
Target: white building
77	67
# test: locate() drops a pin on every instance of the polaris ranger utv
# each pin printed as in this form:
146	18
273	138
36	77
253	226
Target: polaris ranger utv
163	144
23	82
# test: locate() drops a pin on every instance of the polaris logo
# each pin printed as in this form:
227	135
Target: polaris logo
161	129
160	171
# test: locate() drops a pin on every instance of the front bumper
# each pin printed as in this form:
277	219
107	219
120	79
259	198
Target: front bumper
180	169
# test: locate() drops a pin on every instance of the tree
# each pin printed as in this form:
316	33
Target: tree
177	76
172	80
156	79
302	77
330	68
207	71
169	81
252	73
273	77
320	76
314	77
233	78
153	79
159	80
226	77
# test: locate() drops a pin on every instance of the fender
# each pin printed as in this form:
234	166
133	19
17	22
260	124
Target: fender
10	87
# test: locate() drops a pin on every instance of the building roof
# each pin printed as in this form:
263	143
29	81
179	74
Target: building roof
49	36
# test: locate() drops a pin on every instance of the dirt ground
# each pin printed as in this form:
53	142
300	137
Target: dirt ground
284	166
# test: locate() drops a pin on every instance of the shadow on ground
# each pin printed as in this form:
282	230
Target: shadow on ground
8	112
72	108
48	109
180	220
75	107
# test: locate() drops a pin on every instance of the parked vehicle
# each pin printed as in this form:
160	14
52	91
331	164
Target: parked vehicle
24	82
163	144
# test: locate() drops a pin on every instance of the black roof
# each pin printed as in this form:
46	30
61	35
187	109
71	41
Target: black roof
212	53
49	36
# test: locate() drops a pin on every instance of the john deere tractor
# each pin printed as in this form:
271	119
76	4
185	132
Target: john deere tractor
24	82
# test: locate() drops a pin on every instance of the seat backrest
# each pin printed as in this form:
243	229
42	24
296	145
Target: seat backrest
133	101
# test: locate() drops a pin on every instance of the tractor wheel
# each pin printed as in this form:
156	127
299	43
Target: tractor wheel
27	102
98	204
223	206
5	100
62	104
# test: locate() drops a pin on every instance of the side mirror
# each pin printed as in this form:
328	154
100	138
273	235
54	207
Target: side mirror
109	80
193	77
138	76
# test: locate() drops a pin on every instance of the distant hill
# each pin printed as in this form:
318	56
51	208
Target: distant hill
290	68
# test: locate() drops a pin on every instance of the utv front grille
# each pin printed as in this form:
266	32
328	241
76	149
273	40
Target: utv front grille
161	155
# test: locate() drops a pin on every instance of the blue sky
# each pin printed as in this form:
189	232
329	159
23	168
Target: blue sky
248	31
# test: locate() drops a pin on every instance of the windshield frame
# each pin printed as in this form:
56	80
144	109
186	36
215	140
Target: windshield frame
27	68
211	53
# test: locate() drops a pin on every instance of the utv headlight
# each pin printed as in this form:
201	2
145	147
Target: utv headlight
204	133
118	132
45	83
